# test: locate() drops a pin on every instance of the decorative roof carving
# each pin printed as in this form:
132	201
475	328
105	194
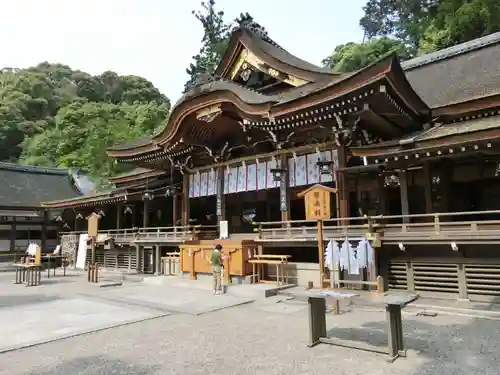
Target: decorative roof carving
246	22
198	77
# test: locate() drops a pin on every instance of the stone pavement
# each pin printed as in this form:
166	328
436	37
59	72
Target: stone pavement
67	306
264	337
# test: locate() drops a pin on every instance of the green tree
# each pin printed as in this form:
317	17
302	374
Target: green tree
216	33
429	25
83	132
354	56
54	116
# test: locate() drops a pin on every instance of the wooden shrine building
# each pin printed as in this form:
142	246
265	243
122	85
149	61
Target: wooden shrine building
410	147
22	218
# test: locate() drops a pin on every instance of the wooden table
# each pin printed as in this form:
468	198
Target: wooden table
335	297
28	273
267	259
393	304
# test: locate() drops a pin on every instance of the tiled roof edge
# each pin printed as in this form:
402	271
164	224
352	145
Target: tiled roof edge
447	53
33	169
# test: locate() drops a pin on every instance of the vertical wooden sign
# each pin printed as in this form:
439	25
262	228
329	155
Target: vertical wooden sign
283	193
219	190
317	202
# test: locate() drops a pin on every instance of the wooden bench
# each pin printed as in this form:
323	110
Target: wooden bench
267	259
28	273
171	259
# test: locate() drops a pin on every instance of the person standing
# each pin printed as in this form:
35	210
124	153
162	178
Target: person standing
216	262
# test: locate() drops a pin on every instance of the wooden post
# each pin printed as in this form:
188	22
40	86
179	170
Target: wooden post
320	253
185	200
175	208
145	214
317	320
428	187
157	260
403	187
92	247
342	192
119	212
44	229
284	190
220	209
13	234
138	259
382	196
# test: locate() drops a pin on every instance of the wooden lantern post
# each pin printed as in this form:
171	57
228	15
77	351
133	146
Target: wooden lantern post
93	228
318	207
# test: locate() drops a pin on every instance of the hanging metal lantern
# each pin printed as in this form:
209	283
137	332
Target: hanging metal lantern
277	173
249	214
148	196
170	191
127	210
391	180
325	166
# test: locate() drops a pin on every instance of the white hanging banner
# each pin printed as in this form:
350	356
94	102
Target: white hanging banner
302	170
82	252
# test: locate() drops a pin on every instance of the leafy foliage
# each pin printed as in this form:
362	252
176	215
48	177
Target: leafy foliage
354	56
216	33
429	25
54	116
412	27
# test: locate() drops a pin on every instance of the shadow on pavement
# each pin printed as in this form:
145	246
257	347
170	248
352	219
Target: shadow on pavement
97	365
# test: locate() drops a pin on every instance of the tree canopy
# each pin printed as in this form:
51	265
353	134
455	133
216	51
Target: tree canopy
413	27
216	33
52	115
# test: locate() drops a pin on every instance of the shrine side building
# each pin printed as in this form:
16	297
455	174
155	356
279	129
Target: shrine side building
412	149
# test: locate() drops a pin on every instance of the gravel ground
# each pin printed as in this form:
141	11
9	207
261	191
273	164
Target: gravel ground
258	338
249	340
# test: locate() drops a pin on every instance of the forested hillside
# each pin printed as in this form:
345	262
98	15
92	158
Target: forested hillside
52	115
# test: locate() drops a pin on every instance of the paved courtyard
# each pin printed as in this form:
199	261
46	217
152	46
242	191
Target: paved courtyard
159	329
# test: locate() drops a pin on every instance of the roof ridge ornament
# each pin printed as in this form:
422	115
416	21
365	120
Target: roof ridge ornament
245	21
199	77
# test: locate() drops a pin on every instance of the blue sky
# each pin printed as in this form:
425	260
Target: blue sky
157	38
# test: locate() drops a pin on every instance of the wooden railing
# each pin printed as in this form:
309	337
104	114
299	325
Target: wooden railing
157	234
393	229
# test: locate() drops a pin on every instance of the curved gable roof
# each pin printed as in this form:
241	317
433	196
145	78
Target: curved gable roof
255	40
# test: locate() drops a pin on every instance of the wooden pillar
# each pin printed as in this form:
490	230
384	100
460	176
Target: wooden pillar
382	195
321	247
403	187
446	175
342	192
185	200
145	214
44	229
13	232
220	209
428	187
119	213
138	258
284	190
175	209
157	260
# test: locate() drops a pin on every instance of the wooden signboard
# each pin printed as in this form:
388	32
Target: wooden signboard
317	201
93	225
